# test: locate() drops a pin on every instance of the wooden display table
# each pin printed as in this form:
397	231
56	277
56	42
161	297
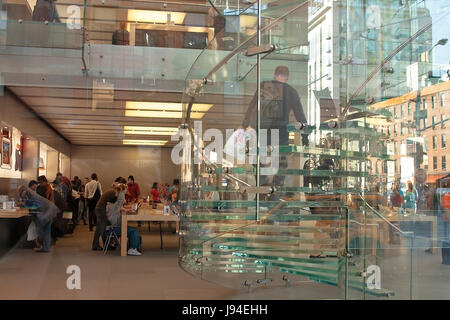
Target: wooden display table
145	213
14	213
395	218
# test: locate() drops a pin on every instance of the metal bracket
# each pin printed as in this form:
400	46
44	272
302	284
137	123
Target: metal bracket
265	48
286	280
248	284
264	281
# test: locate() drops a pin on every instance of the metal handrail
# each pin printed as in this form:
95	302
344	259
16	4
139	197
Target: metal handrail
405	233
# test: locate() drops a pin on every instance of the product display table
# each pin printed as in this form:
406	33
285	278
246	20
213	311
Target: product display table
396	218
145	213
14	213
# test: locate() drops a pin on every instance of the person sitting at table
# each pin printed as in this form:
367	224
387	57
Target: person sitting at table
100	212
113	214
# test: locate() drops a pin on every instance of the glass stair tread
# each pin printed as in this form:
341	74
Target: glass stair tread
355	282
282	189
266	204
299	172
214	228
271	218
263	238
331	153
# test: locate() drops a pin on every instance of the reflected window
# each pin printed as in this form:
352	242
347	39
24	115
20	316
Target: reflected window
434	142
444	162
434	163
432	102
409	109
442	121
434	122
443	142
442	96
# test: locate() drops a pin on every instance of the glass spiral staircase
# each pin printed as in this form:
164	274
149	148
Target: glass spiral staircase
323	216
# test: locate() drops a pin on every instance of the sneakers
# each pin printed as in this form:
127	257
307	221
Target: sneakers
134	252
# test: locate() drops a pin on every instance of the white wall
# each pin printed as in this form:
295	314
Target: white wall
146	164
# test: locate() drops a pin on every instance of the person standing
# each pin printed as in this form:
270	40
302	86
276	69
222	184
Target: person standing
410	198
93	194
82	209
396	196
46	212
44	189
156	198
33	185
133	190
121	37
278	99
109	196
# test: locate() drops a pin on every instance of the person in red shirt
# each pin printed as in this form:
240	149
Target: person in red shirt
155	193
446	207
133	190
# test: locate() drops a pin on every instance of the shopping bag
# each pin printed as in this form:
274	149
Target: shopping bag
235	145
32	232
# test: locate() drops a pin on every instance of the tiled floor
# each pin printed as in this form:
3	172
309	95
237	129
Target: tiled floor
25	274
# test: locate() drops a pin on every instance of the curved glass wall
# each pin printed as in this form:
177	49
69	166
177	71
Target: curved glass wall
307	141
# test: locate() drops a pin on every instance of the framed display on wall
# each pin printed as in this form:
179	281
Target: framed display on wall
6	153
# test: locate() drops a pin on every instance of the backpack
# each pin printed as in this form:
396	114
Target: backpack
272	99
44	10
96	195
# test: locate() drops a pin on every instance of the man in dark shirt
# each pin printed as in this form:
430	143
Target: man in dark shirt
100	212
121	37
133	190
277	100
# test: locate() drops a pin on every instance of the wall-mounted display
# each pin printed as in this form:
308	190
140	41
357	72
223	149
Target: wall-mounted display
6	153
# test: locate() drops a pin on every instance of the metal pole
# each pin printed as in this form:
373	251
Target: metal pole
258	121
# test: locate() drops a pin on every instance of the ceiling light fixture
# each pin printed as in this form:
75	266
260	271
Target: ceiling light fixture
155	16
161	131
144	142
163	109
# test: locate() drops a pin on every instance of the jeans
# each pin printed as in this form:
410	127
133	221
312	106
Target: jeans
44	232
82	210
132	234
92	214
100	227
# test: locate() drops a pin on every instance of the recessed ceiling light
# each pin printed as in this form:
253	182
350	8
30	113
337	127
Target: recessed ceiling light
155	16
161	131
163	109
145	142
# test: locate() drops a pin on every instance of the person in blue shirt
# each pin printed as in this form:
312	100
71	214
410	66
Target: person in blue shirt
410	197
